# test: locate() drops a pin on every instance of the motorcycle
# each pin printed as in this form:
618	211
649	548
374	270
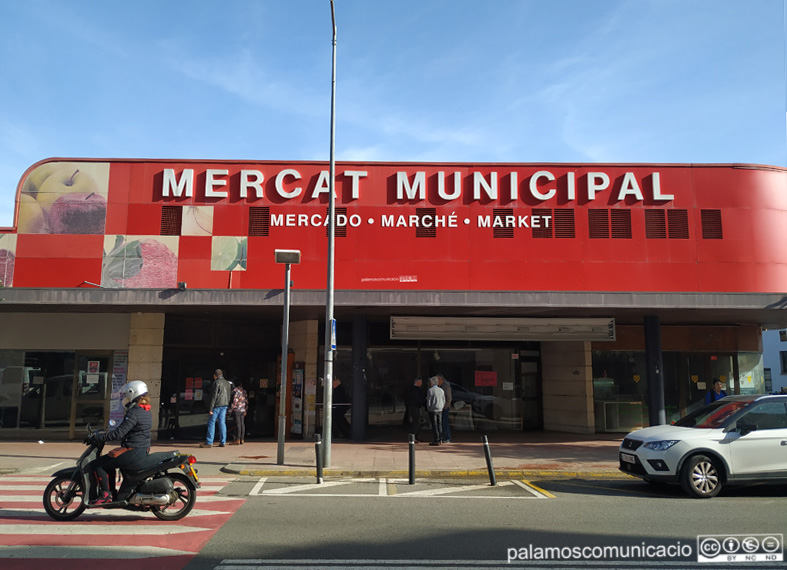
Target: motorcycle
155	486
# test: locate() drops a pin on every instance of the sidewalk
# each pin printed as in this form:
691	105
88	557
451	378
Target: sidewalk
535	455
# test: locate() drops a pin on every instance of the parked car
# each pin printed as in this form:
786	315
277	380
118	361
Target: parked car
734	440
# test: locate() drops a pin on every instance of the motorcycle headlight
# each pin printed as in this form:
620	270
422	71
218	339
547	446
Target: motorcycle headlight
661	445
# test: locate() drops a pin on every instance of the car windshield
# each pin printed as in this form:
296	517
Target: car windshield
713	415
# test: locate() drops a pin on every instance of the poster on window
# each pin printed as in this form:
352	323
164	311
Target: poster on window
297	401
119	374
485	378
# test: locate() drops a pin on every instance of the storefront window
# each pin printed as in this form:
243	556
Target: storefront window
752	375
620	384
36	389
486	391
619	390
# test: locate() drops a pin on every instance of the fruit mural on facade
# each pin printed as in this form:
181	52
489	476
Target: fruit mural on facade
228	253
197	221
64	198
140	262
7	259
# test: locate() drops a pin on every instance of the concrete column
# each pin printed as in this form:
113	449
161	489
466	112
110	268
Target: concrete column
358	413
567	387
655	371
145	354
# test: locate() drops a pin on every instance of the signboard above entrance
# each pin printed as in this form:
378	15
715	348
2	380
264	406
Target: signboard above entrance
488	328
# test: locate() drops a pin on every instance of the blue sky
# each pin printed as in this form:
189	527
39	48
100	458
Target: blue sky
417	80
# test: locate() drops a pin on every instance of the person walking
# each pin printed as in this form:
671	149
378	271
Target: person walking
240	402
446	387
435	402
415	401
217	409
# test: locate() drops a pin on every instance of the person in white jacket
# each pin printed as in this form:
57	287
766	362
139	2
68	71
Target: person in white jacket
435	402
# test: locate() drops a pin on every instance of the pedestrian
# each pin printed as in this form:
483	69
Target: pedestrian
339	406
415	401
240	401
715	393
217	409
445	385
435	402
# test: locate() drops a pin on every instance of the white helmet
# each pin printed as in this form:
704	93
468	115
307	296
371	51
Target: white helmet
133	390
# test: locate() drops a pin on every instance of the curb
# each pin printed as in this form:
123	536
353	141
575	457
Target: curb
423	474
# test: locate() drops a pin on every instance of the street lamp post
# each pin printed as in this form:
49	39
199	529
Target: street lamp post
329	320
287	257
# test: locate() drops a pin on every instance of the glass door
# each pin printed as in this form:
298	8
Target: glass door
90	403
530	381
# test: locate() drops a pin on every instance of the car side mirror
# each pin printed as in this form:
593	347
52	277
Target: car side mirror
745	429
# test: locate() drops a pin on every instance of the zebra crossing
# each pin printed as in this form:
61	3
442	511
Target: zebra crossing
30	539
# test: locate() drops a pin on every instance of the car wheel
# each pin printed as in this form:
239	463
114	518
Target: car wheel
701	477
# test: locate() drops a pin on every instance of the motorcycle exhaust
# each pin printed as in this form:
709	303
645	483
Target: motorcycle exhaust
145	499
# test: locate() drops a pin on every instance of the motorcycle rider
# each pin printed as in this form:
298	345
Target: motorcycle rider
133	433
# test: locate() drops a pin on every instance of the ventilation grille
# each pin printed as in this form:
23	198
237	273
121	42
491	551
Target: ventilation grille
563	220
259	221
655	224
544	230
662	224
499	229
711	224
598	224
431	231
621	224
171	218
678	224
339	231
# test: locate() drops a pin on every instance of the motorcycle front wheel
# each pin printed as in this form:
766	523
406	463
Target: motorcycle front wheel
184	496
64	499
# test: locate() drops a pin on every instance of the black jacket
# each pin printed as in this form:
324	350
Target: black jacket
220	395
134	430
416	397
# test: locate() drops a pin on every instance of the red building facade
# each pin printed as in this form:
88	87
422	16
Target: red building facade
162	245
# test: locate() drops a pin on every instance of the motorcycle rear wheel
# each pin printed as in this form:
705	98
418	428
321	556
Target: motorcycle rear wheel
186	496
64	499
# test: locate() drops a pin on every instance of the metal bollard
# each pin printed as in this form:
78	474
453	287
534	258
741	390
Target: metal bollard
318	455
412	459
489	466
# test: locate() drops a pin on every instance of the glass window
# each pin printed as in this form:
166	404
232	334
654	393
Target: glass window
783	358
771	415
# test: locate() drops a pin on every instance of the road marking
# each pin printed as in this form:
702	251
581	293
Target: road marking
448	490
305	487
89	552
83	529
395	488
116	514
537	491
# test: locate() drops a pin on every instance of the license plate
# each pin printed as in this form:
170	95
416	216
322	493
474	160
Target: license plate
625	457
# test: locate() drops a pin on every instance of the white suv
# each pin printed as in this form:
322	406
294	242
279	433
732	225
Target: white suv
735	439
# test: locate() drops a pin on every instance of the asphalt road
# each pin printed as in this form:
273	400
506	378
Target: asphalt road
453	524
